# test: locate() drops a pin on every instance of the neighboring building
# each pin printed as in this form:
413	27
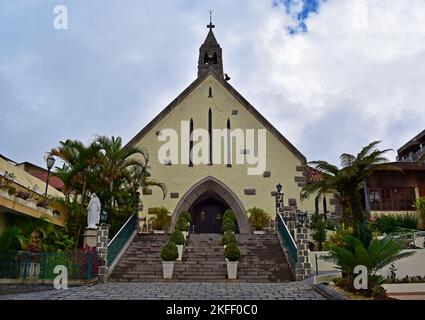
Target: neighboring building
413	150
41	174
388	191
14	178
207	189
394	191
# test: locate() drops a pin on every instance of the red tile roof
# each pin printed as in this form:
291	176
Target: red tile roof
313	175
54	181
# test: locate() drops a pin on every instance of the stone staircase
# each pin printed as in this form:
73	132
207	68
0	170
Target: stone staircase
262	260
142	261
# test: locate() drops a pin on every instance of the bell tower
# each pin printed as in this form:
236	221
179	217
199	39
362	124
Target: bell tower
210	55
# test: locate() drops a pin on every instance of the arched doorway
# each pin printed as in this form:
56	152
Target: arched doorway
207	215
213	195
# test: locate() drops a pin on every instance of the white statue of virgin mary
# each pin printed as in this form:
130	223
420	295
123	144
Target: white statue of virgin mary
93	212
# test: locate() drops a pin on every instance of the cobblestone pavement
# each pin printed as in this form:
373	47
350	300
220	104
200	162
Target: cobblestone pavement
178	291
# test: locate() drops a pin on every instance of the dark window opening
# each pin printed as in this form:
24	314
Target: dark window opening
229	144
210	93
190	142
215	58
210	135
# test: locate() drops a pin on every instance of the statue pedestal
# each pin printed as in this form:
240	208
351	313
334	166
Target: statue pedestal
90	237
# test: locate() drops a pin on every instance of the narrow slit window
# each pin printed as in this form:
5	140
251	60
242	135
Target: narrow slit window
210	95
229	144
190	142
210	135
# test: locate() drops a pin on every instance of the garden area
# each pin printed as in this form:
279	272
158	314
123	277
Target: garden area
378	242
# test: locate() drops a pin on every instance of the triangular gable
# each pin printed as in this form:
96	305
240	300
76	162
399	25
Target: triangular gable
237	96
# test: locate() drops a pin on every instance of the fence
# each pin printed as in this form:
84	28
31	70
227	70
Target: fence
40	266
116	245
287	241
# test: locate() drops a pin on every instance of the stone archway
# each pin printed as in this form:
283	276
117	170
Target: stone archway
206	187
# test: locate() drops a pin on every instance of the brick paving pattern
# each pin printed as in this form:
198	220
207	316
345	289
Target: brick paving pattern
178	291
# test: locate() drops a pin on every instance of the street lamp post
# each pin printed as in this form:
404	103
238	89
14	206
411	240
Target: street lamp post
50	162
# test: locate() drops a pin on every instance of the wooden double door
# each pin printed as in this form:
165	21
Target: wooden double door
208	216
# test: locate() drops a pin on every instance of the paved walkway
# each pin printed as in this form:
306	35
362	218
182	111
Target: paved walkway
178	291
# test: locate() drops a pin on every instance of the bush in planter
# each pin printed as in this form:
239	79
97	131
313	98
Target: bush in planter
42	203
227	238
183	222
232	252
177	237
228	225
420	206
185	215
169	252
161	220
230	215
258	218
11	190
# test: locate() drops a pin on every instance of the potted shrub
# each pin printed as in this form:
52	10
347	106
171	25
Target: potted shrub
183	225
23	195
228	237
258	219
42	203
161	221
228	224
11	190
178	238
232	255
169	254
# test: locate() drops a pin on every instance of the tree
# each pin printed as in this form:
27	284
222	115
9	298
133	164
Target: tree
318	226
115	160
348	180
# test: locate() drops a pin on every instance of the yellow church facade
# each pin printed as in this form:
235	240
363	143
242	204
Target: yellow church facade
228	172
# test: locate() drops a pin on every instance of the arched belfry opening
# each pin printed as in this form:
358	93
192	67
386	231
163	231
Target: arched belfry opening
210	55
207	200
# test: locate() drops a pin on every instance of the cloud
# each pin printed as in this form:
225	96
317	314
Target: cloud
354	75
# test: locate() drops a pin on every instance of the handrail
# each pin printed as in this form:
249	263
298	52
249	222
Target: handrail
119	231
287	242
118	242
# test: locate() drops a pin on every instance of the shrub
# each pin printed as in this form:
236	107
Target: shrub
228	237
177	237
232	252
319	231
169	252
230	215
185	215
420	206
228	225
258	218
391	223
161	220
11	190
183	225
23	195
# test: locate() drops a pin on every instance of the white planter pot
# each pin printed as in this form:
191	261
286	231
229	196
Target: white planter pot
167	269
185	233
4	193
259	232
159	231
232	269
180	250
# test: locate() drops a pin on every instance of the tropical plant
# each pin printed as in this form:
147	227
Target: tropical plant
392	223
348	180
420	207
337	238
169	252
232	252
228	237
177	237
258	218
374	257
161	220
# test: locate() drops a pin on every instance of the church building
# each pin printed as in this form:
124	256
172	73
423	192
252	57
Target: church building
215	151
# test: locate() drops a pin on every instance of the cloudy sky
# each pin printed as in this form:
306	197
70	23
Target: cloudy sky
331	75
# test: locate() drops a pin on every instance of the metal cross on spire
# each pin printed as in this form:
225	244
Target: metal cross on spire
211	26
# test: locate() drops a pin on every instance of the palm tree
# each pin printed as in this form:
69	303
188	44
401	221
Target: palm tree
80	161
115	160
375	256
348	180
